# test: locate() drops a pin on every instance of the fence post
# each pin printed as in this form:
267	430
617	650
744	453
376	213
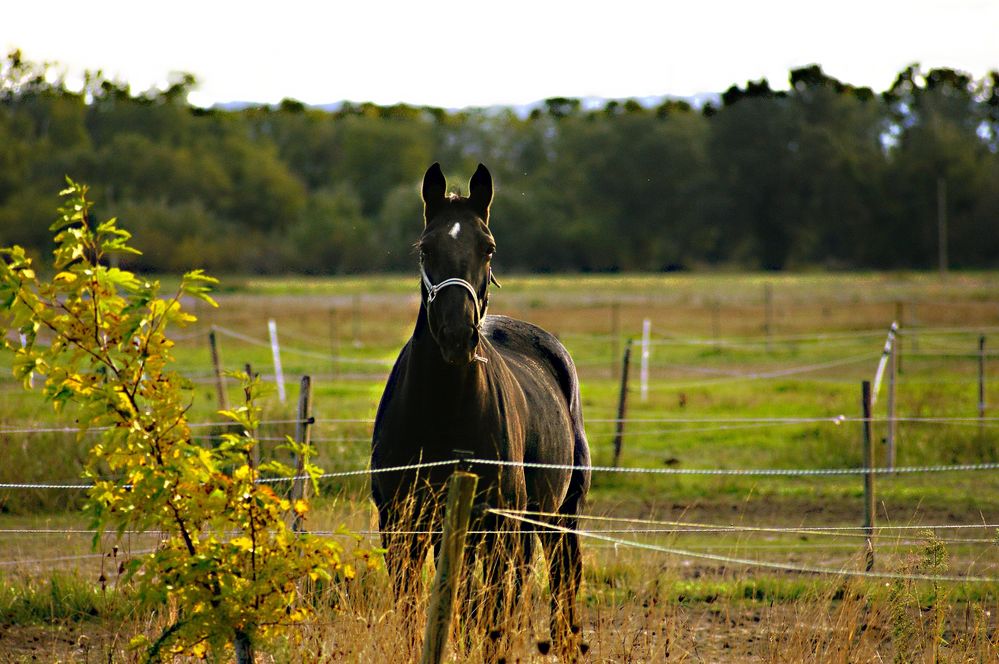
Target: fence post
892	372
303	435
220	391
869	512
622	404
981	384
644	369
883	362
461	491
276	352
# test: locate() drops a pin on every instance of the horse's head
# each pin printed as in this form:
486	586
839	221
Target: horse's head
455	251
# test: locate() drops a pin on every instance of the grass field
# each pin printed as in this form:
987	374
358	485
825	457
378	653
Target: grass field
745	372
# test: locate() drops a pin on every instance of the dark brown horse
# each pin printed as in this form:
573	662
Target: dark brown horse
500	389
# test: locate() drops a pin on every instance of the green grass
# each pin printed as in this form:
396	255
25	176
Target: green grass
61	597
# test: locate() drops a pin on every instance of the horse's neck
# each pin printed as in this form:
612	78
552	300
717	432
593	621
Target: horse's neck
439	382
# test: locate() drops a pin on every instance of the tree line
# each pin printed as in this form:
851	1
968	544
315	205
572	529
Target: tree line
823	174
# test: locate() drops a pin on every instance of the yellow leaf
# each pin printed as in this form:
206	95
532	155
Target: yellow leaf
67	277
244	543
301	507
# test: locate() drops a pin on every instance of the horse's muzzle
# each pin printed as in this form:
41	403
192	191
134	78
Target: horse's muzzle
458	343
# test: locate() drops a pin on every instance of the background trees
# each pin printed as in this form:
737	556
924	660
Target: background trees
821	174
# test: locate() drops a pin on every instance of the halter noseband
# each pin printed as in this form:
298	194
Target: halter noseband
433	290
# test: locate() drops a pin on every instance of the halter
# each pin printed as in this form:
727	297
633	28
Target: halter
433	290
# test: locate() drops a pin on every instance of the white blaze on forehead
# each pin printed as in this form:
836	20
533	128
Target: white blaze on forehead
455	230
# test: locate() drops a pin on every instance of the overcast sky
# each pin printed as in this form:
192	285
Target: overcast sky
456	54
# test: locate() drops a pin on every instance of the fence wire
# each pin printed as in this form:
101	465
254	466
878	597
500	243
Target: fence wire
747	562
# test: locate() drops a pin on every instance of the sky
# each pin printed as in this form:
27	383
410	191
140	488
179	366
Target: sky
509	52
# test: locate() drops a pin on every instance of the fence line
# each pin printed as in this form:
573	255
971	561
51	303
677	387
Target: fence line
651	528
729	560
776	472
794	530
303	352
82	556
768	374
825	419
763	421
761	340
761	472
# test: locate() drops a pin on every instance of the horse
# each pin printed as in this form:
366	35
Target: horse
493	388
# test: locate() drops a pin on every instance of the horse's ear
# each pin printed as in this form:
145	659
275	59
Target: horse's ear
480	191
433	190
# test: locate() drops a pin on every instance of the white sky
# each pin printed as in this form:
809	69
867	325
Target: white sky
475	53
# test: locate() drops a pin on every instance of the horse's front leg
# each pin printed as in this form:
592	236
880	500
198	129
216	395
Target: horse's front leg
406	539
506	557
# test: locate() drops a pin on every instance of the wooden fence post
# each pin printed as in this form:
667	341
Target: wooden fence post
303	435
869	513
461	491
220	391
622	404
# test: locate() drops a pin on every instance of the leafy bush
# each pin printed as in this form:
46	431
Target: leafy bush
228	561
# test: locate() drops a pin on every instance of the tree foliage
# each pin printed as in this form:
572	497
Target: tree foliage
823	173
227	560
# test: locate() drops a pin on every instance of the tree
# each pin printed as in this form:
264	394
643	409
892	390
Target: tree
97	334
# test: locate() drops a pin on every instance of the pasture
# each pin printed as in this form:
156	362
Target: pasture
699	559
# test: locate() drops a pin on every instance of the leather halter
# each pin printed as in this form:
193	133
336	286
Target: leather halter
433	290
